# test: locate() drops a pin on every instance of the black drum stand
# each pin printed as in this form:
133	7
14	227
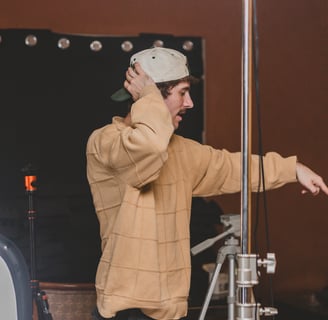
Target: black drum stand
39	297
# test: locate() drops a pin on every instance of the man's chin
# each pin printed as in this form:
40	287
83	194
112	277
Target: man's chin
176	126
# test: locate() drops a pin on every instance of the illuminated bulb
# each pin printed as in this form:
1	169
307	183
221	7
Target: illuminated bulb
31	40
63	43
127	46
96	45
158	43
188	45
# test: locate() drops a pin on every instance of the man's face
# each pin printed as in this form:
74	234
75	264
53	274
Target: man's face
178	101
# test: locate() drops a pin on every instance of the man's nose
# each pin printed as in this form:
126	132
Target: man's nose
188	103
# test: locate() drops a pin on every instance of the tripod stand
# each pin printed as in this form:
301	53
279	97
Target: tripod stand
38	297
246	272
229	250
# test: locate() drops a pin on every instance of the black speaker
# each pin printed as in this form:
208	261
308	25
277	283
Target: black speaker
15	291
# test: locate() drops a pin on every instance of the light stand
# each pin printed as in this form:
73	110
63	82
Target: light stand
247	278
229	250
242	278
39	297
246	307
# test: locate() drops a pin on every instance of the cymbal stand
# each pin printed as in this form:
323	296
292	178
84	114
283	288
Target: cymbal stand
38	296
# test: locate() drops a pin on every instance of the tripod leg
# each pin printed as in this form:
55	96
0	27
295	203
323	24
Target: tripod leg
210	291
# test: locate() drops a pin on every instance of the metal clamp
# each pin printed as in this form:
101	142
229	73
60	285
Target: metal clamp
269	263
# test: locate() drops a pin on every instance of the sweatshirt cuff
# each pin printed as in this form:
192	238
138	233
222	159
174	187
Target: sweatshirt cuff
291	168
148	90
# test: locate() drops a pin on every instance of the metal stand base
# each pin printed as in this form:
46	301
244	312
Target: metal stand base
240	300
229	250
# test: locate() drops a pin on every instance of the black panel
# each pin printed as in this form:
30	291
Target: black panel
51	100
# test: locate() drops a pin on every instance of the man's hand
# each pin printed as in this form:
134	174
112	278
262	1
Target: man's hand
136	80
310	180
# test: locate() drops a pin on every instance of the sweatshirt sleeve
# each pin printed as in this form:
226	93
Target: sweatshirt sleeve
219	171
137	153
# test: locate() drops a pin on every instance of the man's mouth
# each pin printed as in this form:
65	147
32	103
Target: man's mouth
179	115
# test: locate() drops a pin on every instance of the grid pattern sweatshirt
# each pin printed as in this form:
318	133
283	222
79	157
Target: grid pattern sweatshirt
142	178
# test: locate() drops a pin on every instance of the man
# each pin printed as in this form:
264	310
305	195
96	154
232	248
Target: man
143	177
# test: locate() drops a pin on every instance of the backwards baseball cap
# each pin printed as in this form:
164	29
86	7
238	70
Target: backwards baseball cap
161	64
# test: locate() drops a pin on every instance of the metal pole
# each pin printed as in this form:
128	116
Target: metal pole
245	294
246	125
247	276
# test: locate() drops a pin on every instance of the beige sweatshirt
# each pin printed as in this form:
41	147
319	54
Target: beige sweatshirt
142	178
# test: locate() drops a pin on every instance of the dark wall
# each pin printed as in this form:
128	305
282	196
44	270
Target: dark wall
293	82
52	98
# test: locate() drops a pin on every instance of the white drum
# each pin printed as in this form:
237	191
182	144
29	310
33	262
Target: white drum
15	291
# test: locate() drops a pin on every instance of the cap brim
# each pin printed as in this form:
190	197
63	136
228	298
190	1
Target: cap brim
121	95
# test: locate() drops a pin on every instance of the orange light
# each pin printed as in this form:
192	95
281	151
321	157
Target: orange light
30	183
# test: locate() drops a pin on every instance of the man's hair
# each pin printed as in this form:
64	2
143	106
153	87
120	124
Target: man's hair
165	87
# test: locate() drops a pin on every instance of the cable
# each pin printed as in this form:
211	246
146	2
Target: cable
260	149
